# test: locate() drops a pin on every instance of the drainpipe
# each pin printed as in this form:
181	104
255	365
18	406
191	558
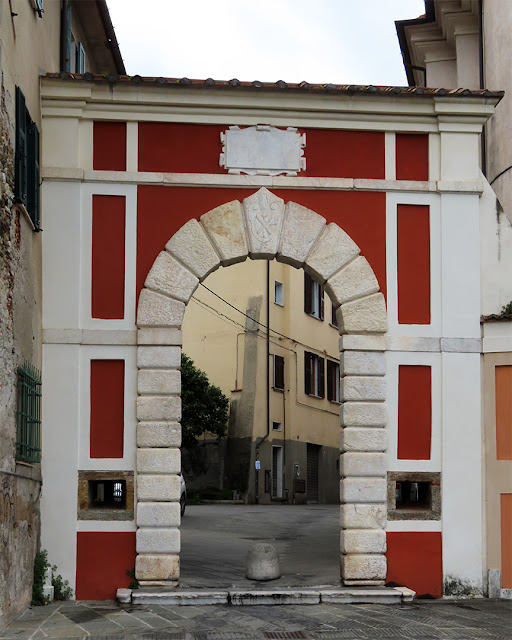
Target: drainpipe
483	150
258	442
64	30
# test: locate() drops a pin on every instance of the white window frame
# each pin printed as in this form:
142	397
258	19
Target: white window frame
278	293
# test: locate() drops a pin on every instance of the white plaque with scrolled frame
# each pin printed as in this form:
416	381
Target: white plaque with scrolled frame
263	150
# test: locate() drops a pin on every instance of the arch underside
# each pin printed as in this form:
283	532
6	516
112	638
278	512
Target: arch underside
261	227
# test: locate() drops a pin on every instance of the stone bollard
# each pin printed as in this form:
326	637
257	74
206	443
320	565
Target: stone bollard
262	562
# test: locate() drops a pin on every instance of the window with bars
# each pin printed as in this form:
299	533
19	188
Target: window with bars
333	381
26	173
28	414
313	297
314	375
278	373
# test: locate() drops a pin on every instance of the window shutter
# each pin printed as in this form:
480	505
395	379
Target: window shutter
39	8
80	58
321	377
307	372
278	372
321	303
307	293
20	172
334	319
33	173
330	380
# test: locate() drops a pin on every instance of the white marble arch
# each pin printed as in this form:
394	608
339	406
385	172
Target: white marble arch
262	226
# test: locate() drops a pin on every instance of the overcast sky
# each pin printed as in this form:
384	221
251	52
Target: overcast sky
338	41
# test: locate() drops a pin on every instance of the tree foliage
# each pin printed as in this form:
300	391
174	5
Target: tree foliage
204	406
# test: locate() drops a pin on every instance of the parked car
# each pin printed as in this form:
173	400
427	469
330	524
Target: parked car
183	495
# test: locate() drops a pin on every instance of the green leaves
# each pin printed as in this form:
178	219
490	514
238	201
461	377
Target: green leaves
204	406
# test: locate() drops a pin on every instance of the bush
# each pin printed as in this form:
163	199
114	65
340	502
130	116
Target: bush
507	309
62	590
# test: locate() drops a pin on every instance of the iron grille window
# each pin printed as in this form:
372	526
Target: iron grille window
314	376
28	414
313	298
26	174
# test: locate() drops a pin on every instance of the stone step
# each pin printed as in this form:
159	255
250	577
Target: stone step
201	597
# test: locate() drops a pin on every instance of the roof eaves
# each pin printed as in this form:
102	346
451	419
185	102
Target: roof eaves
401	25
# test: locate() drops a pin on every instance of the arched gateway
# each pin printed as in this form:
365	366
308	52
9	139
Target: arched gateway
262	227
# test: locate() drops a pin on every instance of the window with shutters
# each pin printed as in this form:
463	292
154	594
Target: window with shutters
26	174
313	298
333	381
334	319
314	380
279	373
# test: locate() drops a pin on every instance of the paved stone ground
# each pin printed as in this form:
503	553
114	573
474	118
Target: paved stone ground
420	620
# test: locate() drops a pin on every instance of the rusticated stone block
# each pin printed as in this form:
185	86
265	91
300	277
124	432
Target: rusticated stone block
363	465
158	540
160	567
158	514
191	246
301	228
169	277
364	414
363	541
365	315
364	363
363	439
264	213
158	357
363	388
160	336
225	226
159	382
166	408
159	460
158	434
354	281
361	490
363	516
158	488
364	568
333	249
157	310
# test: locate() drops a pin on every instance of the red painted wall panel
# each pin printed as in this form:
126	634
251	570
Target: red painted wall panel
414	412
101	563
415	560
344	154
108	242
503	377
194	148
413	264
412	156
107	409
161	211
109	146
506	540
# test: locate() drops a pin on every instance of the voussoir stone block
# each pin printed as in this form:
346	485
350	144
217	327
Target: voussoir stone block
158	540
157	310
363	414
355	280
363	541
159	381
159	460
362	464
171	278
264	213
158	434
158	408
333	249
158	357
363	439
363	516
364	363
365	315
157	567
363	567
158	488
225	226
301	228
363	490
363	388
191	246
158	514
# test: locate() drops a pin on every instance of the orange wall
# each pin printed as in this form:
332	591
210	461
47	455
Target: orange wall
506	540
101	564
503	376
415	561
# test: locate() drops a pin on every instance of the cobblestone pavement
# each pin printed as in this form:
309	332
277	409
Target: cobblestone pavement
460	620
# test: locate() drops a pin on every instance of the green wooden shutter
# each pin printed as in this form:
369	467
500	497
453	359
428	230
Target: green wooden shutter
307	372
321	377
278	372
39	8
20	159
321	296
307	294
33	173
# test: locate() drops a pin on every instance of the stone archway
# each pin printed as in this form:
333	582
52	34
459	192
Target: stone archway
262	227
